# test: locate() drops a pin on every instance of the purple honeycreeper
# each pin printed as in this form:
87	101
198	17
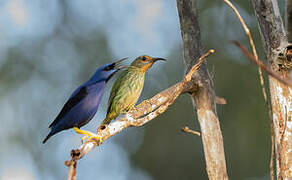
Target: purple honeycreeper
82	105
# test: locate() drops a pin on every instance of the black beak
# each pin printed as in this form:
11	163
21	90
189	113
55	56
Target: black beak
119	62
158	59
115	64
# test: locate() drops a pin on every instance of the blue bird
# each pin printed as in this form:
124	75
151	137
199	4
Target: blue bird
84	101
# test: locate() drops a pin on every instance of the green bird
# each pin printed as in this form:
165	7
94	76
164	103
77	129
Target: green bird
127	88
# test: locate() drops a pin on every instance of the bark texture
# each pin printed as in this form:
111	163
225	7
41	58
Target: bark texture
204	95
289	19
276	48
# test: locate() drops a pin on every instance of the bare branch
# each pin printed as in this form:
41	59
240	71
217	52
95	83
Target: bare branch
271	24
275	42
220	100
188	130
263	66
289	19
247	31
197	65
142	114
72	164
72	170
203	93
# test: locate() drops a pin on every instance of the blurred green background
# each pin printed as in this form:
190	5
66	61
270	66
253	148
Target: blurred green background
48	48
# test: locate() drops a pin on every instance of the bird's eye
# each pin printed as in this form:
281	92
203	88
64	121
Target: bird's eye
143	58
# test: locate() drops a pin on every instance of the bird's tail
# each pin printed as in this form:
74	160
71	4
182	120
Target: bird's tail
48	136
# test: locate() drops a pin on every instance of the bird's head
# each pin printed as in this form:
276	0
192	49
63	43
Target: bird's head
106	71
145	62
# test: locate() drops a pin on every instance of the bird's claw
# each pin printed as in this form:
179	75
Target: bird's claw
83	139
96	137
87	134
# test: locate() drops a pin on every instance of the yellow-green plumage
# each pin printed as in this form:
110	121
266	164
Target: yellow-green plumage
128	87
125	93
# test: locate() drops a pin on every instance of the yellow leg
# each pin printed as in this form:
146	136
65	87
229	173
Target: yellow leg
86	133
83	139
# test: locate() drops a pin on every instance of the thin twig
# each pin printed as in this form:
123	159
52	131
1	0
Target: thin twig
254	51
198	64
262	82
188	130
220	100
263	66
142	114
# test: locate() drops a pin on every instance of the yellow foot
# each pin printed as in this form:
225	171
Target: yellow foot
87	134
83	139
95	137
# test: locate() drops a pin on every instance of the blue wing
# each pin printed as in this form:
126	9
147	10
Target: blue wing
74	99
79	109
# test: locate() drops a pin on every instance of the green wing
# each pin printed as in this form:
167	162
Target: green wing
119	81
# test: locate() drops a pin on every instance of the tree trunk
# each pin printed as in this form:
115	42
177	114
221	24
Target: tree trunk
203	94
289	19
275	45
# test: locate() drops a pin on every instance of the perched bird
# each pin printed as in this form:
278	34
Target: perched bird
84	101
127	88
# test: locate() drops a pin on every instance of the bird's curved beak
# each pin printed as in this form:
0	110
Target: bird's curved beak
158	59
115	66
119	62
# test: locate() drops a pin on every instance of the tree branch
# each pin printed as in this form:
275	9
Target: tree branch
254	51
190	131
72	164
289	19
261	65
203	95
142	114
276	48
